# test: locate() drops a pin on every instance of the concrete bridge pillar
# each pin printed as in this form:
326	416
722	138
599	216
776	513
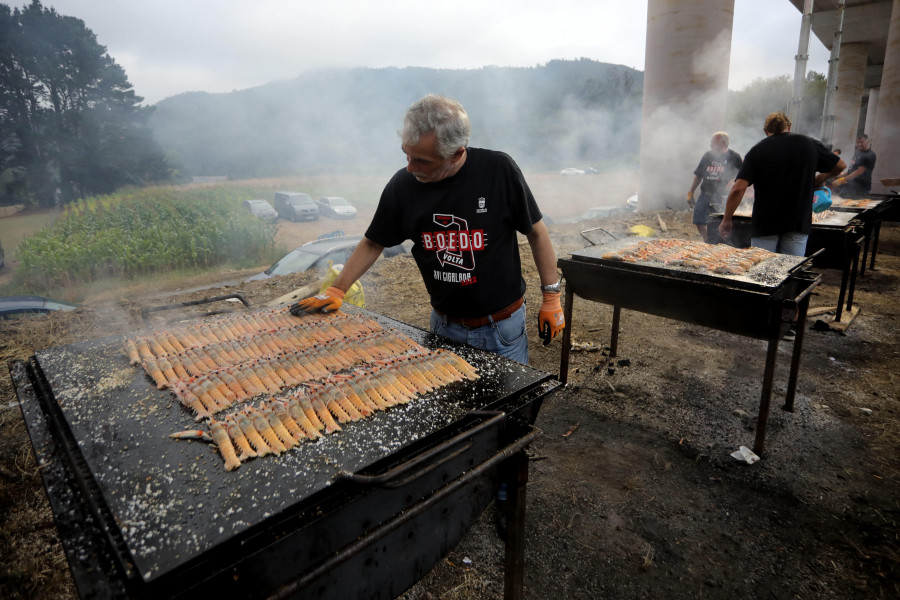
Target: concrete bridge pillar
851	76
885	135
687	58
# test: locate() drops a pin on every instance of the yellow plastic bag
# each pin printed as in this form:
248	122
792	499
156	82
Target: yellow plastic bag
354	295
642	230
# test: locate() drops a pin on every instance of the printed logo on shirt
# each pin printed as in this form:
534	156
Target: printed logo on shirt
481	205
455	245
714	171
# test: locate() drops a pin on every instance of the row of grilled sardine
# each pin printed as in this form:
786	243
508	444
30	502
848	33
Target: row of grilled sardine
278	424
218	379
238	332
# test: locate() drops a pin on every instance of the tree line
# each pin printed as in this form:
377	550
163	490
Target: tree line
71	125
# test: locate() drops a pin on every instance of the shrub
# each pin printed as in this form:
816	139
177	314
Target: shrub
140	232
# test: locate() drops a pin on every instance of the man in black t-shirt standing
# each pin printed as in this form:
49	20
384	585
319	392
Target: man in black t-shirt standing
716	170
857	183
462	208
784	170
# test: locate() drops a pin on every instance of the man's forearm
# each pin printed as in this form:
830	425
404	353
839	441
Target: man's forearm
363	257
821	178
734	198
543	253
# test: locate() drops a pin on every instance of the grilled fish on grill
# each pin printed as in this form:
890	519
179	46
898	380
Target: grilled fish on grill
308	375
717	258
223	443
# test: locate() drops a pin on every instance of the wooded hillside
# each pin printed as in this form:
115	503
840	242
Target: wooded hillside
564	113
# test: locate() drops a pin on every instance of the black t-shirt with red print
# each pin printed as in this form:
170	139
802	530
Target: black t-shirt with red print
716	171
464	231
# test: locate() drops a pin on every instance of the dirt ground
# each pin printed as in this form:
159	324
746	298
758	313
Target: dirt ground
632	490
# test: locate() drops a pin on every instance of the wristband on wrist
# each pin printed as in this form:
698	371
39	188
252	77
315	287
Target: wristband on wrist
553	287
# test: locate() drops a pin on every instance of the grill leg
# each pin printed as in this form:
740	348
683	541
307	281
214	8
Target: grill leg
614	338
516	476
854	263
795	355
566	337
768	377
877	231
867	231
845	277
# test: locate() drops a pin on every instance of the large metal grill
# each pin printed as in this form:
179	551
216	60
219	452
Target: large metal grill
870	212
364	512
833	243
758	304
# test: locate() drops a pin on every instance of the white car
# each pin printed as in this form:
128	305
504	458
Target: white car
571	171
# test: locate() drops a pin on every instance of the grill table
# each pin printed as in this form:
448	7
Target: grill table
833	244
870	212
356	514
736	304
888	209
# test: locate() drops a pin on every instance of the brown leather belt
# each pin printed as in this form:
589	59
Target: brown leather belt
503	313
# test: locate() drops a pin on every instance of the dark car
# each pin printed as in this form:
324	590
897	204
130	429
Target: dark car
317	254
261	209
296	206
336	207
11	306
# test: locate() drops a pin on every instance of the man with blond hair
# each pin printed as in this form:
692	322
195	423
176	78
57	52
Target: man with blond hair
784	170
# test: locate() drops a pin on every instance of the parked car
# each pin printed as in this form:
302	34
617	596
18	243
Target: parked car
296	206
336	207
316	254
11	306
261	209
571	171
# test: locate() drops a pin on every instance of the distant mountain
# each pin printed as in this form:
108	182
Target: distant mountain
560	114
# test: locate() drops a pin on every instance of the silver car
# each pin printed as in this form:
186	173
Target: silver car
261	209
336	207
317	254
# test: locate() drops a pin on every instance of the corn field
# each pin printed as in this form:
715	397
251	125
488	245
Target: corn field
140	232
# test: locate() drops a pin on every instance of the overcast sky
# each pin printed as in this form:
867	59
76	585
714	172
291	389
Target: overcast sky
172	46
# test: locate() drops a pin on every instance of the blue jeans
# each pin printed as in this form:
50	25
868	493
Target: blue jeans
793	243
705	206
506	338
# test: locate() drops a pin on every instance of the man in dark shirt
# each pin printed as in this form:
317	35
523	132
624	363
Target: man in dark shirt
784	170
857	182
463	208
716	170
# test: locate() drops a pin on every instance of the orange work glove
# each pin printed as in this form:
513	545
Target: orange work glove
550	319
327	301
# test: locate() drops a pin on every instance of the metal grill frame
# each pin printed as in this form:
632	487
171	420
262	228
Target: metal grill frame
834	247
429	486
740	311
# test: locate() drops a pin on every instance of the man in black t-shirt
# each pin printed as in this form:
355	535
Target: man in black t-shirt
857	183
716	170
462	208
783	169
